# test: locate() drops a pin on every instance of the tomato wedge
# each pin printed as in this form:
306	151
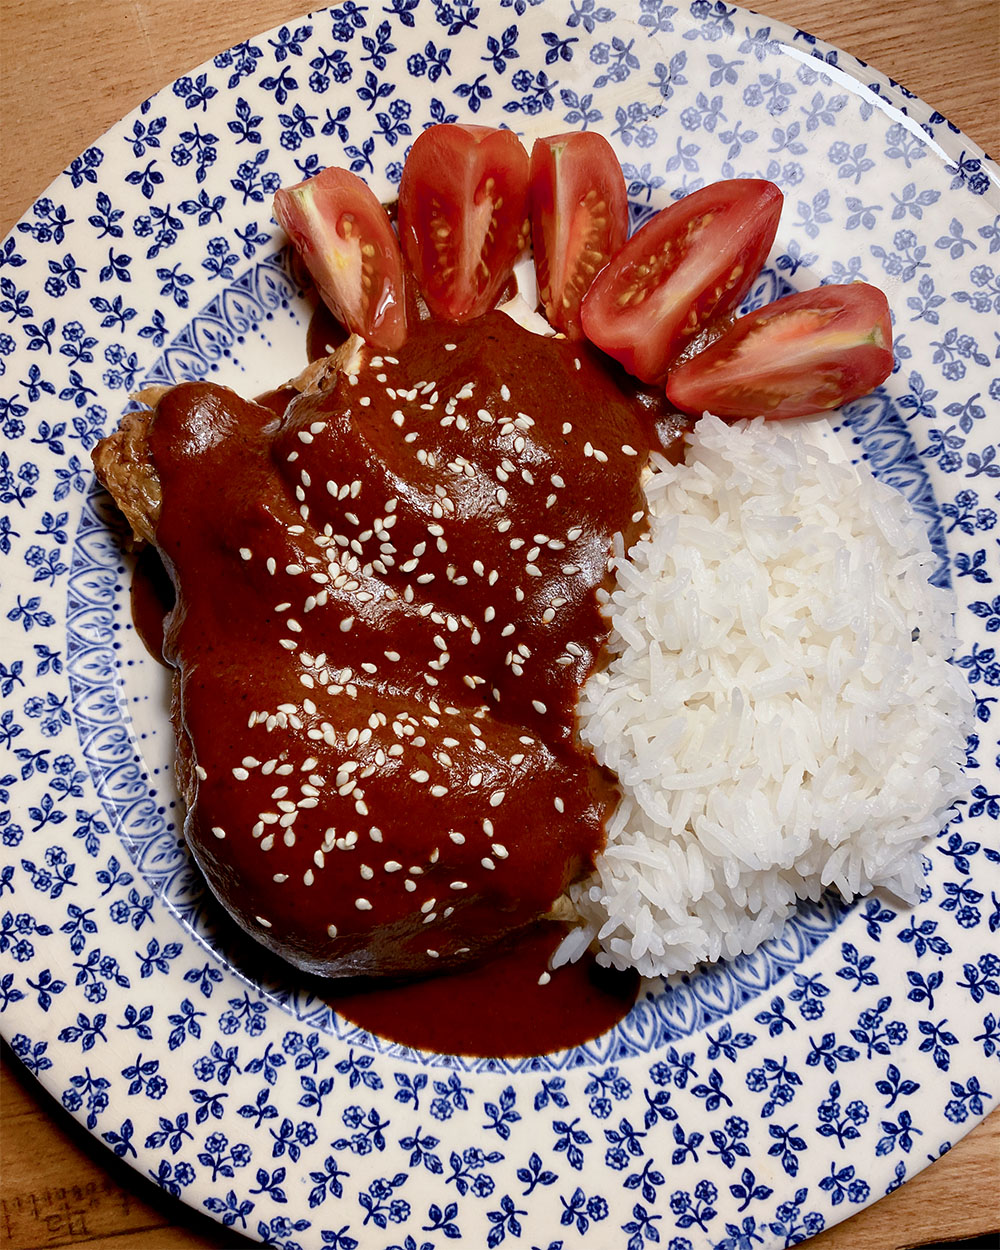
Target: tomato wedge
345	237
463	215
579	220
803	354
691	264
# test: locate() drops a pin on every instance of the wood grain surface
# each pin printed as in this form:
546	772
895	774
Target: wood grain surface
69	69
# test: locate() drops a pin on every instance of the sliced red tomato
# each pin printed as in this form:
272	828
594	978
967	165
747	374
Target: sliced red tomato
346	239
579	220
689	266
803	354
463	215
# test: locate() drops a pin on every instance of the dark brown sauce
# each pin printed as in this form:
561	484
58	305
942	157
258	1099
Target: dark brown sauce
152	595
324	333
496	1009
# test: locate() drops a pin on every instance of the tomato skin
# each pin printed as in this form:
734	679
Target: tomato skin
579	220
804	354
690	265
463	202
346	240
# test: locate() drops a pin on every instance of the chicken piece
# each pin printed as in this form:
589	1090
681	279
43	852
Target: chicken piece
386	605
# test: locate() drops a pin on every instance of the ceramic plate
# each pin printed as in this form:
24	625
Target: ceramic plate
751	1104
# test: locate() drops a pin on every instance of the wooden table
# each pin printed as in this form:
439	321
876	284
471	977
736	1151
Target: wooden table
83	64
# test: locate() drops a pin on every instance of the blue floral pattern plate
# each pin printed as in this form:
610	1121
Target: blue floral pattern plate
749	1105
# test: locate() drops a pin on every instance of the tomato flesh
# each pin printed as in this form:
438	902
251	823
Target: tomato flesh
463	204
806	353
345	238
579	220
690	265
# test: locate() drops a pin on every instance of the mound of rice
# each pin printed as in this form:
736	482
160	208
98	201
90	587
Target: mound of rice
778	706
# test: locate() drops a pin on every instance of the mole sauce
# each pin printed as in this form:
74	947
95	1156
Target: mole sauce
386	608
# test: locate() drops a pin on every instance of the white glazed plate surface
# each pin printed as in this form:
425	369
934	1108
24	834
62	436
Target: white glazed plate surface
749	1105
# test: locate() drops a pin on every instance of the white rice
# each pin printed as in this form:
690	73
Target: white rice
778	707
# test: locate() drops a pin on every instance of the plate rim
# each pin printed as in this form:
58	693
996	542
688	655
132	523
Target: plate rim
951	135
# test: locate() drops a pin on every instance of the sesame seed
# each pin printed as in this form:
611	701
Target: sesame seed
362	904
331	930
246	553
497	797
260	920
545	978
219	832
